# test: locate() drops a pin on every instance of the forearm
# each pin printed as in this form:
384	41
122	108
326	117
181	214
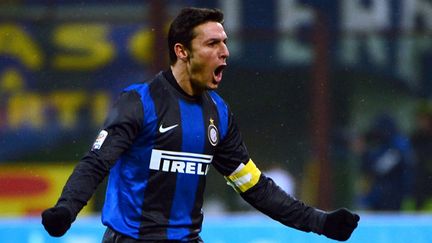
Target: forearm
270	199
82	183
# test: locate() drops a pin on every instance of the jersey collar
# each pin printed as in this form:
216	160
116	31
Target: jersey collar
169	76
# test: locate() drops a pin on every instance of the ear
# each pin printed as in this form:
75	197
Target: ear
181	52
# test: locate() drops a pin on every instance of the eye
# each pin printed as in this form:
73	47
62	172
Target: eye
212	43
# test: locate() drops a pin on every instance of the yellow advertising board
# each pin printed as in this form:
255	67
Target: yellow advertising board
27	189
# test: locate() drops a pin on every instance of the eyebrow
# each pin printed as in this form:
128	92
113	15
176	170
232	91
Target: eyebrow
217	40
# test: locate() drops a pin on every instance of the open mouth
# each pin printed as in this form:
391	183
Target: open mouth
219	69
218	72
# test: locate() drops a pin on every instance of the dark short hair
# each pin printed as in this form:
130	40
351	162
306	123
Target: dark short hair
181	29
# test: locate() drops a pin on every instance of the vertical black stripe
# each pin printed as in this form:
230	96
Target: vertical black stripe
160	190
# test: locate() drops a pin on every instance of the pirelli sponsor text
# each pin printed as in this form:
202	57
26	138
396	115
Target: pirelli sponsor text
180	162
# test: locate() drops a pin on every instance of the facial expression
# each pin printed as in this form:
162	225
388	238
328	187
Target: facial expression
207	57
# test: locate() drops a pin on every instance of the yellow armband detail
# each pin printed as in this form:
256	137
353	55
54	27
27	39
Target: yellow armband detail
244	177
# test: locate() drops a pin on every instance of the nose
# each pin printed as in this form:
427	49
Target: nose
224	54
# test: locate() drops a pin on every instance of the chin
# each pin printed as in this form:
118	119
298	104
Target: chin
212	86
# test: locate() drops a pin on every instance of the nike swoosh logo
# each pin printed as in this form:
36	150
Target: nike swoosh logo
166	129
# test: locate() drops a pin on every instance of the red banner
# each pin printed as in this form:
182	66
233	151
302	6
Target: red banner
27	189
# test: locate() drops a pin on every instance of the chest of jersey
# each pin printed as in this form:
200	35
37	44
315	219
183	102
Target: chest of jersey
186	133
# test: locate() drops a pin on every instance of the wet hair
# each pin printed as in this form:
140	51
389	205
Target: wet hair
182	28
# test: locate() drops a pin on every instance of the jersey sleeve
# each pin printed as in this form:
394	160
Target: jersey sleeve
232	160
267	197
232	151
121	127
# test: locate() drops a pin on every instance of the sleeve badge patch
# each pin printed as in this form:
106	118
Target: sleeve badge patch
100	140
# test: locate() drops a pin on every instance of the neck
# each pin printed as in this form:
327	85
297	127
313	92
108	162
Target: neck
182	77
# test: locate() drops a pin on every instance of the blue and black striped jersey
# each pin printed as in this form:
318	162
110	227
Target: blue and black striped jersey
157	146
155	189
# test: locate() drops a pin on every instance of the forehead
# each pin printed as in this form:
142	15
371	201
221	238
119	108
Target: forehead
210	30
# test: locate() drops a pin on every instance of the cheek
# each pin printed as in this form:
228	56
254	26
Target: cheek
204	56
200	64
196	67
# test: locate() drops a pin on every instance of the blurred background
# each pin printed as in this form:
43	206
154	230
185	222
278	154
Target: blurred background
333	99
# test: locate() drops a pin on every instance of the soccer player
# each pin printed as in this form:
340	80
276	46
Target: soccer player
158	143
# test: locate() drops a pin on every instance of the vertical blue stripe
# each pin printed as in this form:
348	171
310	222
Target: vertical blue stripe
120	209
193	133
143	152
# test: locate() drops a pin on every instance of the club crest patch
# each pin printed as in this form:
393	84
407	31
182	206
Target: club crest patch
213	133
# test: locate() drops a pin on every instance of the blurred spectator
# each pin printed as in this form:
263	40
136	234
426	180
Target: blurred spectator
422	144
282	178
387	164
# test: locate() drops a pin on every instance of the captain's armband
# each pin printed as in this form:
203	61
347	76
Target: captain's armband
244	177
